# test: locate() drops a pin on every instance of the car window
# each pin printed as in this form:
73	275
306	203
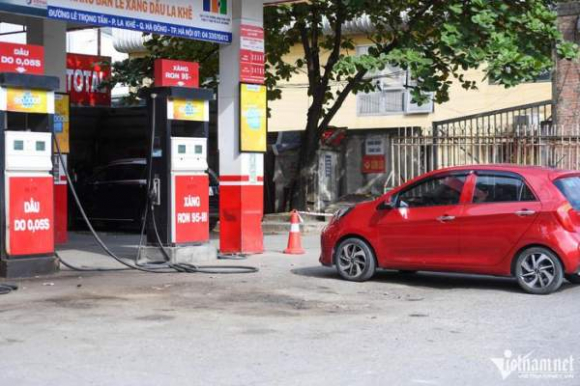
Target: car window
438	191
492	188
570	188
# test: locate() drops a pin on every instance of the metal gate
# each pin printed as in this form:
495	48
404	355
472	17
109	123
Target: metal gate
415	151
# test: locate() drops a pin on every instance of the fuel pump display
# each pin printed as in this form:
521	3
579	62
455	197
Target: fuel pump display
26	123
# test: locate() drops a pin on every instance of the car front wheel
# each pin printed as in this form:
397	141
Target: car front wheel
539	271
355	260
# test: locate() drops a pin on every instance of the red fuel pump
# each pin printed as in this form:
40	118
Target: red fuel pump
27	189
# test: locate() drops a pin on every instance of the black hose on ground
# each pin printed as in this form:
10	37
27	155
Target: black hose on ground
7	288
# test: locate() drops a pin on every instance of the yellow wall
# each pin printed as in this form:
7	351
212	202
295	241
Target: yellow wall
289	113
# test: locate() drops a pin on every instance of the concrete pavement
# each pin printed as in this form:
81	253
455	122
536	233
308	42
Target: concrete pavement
294	323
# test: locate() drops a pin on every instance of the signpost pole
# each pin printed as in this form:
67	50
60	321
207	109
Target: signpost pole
241	174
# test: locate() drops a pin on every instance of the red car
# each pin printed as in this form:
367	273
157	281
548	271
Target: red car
501	220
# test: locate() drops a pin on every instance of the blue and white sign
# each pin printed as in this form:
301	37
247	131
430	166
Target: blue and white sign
25	7
193	19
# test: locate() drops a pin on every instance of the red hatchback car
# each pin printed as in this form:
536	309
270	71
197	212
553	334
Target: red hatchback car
501	220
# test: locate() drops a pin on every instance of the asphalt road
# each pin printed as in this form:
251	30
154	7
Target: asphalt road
294	323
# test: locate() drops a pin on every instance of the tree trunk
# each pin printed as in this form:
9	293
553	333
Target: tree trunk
306	163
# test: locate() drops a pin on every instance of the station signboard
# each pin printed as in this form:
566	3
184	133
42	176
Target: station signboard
84	75
193	19
21	58
176	73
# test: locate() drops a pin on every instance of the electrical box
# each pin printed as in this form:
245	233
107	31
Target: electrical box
28	151
188	154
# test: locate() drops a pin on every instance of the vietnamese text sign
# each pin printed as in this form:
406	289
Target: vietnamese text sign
252	58
62	121
30	215
373	164
253	118
191	209
84	75
26	101
26	7
188	110
193	19
21	58
170	73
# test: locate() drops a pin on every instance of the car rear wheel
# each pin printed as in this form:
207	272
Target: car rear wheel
355	260
539	271
574	279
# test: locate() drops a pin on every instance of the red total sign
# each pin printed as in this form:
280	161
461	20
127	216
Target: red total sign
176	73
84	75
191	213
30	216
21	58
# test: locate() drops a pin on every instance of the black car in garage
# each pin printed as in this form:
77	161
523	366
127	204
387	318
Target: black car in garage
115	194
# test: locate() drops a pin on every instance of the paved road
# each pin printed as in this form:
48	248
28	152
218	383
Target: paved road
294	323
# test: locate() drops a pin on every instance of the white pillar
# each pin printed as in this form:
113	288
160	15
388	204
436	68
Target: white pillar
241	174
52	35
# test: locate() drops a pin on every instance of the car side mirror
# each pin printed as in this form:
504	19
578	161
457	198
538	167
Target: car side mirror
385	205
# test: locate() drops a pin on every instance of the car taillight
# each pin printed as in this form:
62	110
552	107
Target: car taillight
568	217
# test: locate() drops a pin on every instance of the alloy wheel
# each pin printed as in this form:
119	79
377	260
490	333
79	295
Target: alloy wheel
538	270
352	260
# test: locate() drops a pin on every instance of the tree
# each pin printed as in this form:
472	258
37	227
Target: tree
436	40
137	72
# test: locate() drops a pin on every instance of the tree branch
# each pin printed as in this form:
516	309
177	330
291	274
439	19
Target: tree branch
361	73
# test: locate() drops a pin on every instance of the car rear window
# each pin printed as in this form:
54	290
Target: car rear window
570	188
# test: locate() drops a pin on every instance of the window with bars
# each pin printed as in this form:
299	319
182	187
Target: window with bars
391	96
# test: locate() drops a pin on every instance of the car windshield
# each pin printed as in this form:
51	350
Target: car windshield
570	187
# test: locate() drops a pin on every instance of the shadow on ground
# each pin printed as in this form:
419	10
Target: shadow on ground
434	280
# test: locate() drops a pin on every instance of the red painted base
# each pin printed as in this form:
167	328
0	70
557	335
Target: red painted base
241	212
60	214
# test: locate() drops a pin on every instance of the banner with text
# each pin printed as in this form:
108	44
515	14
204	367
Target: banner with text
62	122
252	57
193	19
253	118
21	58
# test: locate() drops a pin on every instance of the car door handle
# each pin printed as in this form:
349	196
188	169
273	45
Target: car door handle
445	218
525	212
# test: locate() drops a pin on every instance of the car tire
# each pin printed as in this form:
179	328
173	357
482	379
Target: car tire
574	279
539	271
355	260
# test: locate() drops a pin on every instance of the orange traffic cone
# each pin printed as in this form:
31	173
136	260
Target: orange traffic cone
294	239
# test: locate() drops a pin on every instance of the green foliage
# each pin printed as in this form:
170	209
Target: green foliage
513	41
437	41
137	73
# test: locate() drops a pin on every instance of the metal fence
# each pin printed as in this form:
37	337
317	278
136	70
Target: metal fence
414	151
